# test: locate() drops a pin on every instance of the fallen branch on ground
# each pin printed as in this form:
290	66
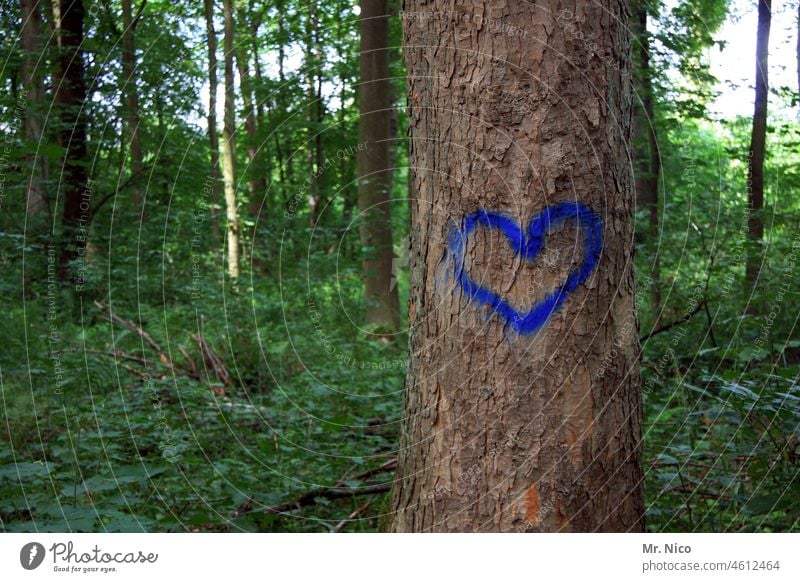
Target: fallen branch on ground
129	325
337	491
352	516
213	363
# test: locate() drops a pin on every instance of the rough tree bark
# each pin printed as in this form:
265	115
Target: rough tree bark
374	169
36	194
755	168
229	146
70	98
213	137
131	95
514	108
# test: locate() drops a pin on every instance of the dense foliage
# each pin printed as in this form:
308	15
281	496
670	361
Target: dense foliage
164	396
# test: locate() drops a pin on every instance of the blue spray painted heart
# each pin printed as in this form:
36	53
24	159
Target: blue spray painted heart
528	245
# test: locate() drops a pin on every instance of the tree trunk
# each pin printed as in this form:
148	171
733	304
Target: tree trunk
281	104
213	138
261	115
255	187
646	150
374	170
131	97
755	170
523	409
314	112
36	194
70	98
229	147
255	24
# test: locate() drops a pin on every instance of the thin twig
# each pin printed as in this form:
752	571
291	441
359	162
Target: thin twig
312	497
337	491
115	354
675	323
353	515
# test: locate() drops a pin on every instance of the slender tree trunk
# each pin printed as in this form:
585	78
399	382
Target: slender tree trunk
229	147
314	143
70	98
213	137
254	184
649	162
257	90
161	137
260	107
348	193
755	171
131	98
262	115
374	170
281	102
523	407
36	194
55	47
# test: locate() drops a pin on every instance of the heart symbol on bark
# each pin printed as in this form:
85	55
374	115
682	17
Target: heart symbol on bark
528	244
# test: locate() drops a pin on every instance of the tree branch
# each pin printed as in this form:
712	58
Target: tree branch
675	323
146	337
337	491
312	497
136	18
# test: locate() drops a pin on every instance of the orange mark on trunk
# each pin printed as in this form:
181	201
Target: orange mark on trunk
532	505
562	522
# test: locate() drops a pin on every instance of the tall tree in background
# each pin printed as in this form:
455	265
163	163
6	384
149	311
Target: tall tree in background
374	171
36	198
129	22
213	137
755	169
314	110
528	431
647	156
229	146
255	185
285	162
70	98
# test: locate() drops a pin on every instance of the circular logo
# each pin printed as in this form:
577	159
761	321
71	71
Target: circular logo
31	555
